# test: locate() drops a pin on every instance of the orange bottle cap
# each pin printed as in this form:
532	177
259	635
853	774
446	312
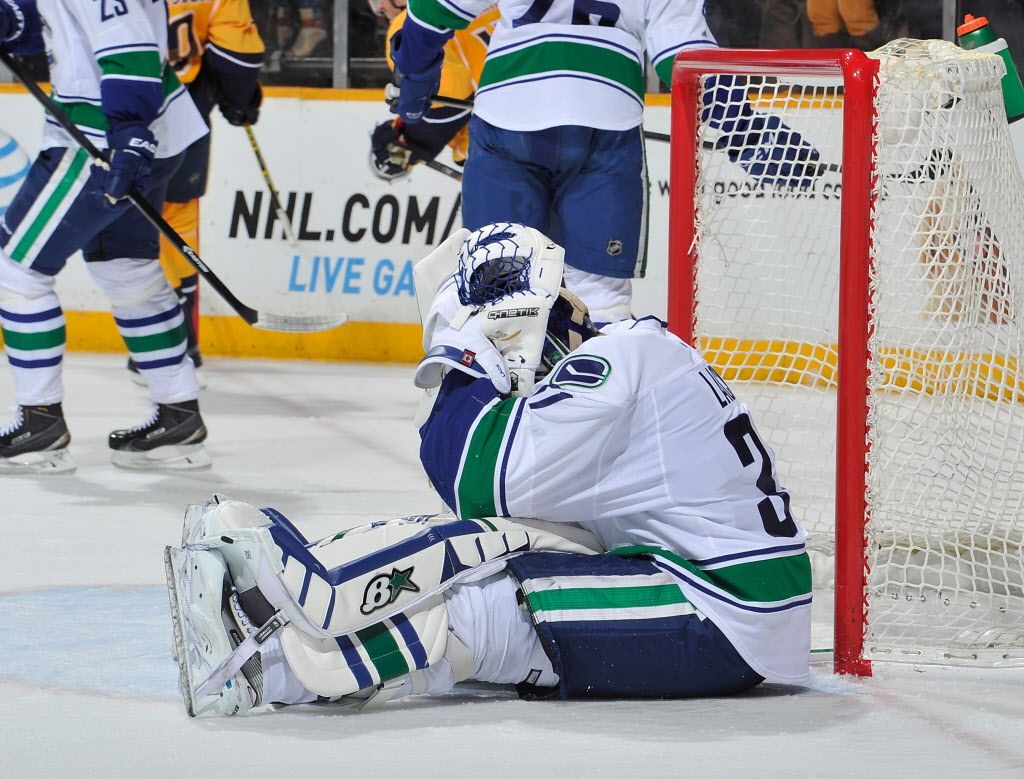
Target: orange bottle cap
971	24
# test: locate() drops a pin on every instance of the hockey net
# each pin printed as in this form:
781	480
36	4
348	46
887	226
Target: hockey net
868	307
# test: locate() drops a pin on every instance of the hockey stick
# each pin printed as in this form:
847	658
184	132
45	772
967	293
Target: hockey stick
278	322
275	199
447	170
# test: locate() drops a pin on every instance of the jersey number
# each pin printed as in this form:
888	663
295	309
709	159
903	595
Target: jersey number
181	40
737	432
597	12
111	8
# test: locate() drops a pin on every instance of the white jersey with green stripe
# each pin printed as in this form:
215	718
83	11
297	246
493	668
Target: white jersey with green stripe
95	45
571	62
636	438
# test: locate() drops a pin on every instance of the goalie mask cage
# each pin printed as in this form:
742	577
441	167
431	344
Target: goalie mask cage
868	309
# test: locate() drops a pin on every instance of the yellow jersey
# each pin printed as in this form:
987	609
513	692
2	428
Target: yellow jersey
225	27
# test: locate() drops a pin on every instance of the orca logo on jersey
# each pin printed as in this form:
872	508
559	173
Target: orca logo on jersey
384	589
586	371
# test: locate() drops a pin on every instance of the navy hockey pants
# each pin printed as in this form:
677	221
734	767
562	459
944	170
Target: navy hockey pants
618	627
582	187
60	209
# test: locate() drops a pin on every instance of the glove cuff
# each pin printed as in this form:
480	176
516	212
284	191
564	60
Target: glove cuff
135	137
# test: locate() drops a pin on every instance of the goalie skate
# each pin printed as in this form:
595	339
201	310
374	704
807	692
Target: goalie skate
208	624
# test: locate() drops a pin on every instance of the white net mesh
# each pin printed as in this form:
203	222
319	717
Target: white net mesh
946	400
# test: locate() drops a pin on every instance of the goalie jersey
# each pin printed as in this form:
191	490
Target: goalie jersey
562	62
634	437
108	65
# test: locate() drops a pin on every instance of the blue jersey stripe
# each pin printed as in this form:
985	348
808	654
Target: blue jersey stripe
753	553
699	585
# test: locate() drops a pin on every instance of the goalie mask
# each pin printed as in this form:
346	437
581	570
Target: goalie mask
568	327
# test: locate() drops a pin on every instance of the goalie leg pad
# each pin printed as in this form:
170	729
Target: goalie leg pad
622	628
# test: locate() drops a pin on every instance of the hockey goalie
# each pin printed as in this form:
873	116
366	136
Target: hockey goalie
619	527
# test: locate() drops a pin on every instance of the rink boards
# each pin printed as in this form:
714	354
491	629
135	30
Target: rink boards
357	236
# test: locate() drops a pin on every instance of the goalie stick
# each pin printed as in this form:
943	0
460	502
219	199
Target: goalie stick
284	323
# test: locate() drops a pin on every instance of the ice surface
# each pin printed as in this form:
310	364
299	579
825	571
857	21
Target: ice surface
87	685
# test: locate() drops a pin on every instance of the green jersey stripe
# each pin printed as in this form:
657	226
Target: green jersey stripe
437	15
476	481
168	339
47	339
52	205
758	581
383	651
664	69
605	597
555	56
92	117
132	63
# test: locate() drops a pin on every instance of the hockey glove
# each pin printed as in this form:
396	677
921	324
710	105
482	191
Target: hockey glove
763	145
238	115
454	340
132	147
415	91
390	157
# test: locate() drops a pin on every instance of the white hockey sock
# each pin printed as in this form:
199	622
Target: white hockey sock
34	333
152	324
486	617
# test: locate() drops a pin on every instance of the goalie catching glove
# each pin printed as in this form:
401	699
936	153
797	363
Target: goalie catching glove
489	316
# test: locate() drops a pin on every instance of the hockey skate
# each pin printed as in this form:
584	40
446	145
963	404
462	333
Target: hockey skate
36	441
170	439
208	623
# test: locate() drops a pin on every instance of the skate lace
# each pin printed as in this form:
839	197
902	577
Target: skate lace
149	422
19	417
236	607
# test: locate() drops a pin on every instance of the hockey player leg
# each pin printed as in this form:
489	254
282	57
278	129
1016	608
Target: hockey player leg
122	261
152	325
184	218
602	209
32	320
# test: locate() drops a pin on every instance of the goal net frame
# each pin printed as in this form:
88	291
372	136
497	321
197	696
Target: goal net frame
858	74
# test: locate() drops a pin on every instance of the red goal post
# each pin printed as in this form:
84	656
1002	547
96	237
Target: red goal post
732	216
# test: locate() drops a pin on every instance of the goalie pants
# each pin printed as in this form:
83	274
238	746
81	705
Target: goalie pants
60	209
621	628
583	187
